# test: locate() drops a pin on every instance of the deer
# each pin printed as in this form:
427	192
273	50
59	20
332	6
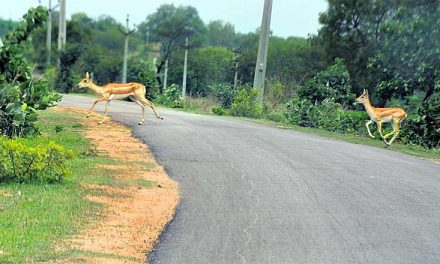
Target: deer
109	91
395	116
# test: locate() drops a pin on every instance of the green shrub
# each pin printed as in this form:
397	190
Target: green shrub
276	117
224	93
171	97
246	103
33	161
219	110
328	115
20	94
332	83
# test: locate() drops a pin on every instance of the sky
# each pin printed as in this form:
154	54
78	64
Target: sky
289	17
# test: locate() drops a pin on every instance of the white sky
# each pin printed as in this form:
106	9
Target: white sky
289	17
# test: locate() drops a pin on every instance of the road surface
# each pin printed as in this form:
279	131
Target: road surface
256	194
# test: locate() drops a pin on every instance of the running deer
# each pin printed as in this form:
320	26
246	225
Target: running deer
395	116
135	91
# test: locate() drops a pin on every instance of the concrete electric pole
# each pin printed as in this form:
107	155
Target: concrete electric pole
165	77
127	32
62	26
1	43
49	31
260	67
237	52
185	69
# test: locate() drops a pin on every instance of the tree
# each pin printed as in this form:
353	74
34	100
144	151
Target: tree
222	34
170	26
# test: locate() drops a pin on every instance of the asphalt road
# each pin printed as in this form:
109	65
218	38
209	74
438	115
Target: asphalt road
255	194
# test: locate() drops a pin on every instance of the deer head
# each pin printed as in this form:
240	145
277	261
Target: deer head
363	97
85	82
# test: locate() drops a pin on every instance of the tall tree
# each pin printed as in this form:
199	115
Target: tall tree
170	26
222	34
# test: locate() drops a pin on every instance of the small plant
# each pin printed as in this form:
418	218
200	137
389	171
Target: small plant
30	161
171	97
219	110
224	93
246	103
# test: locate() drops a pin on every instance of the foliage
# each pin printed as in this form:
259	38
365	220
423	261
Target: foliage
224	93
68	57
246	103
6	26
221	34
275	95
219	110
332	83
171	97
20	95
170	26
32	160
328	115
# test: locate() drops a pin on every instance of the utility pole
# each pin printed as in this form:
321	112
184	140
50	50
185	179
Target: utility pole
165	77
1	43
127	32
62	26
237	52
49	31
185	69
260	67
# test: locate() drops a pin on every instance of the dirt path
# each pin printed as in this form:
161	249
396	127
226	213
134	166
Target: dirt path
133	215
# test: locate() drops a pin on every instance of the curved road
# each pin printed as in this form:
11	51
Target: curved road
255	194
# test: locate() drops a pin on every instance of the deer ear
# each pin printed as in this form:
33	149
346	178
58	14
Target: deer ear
366	91
87	75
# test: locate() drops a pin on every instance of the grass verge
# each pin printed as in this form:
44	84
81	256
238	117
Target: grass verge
35	217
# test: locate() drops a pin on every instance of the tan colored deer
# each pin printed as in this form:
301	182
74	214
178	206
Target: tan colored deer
395	116
135	91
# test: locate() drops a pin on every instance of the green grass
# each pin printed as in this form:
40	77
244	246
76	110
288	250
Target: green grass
34	217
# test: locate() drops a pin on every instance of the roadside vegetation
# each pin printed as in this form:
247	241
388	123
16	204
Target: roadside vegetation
311	82
49	171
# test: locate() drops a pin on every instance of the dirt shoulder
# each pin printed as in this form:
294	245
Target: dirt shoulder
135	213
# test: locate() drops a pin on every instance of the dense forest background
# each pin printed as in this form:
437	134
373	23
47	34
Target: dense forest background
391	48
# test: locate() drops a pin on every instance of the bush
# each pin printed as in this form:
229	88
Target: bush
28	161
332	83
276	117
246	103
171	97
224	93
20	95
328	115
219	110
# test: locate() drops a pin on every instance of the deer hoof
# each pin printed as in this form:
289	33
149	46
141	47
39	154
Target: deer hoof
87	116
161	118
100	123
140	123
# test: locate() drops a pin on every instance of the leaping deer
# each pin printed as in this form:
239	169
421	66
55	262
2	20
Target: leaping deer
135	91
395	116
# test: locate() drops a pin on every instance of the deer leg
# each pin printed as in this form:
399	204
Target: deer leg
396	131
142	107
105	111
151	105
368	128
379	129
94	104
